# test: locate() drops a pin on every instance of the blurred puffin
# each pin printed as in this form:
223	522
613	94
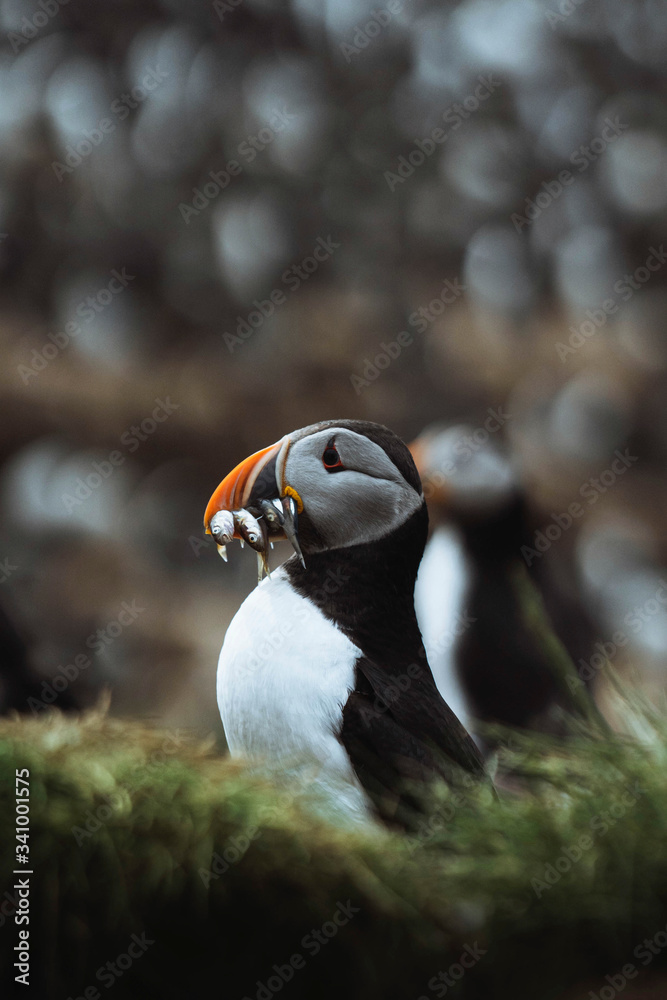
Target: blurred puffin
21	687
324	659
489	663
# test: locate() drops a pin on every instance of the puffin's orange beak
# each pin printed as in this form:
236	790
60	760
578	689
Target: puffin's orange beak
234	491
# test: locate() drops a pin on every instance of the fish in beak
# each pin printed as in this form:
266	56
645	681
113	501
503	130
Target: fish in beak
253	504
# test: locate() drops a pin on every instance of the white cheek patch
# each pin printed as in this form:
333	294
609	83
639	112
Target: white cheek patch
348	508
364	502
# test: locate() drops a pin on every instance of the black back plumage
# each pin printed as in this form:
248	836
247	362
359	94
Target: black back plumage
396	727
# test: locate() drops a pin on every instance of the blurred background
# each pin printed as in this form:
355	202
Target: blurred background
216	217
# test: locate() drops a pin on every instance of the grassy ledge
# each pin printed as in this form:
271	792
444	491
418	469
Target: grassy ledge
235	888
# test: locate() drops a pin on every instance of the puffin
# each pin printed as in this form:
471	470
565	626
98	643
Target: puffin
489	662
323	664
21	687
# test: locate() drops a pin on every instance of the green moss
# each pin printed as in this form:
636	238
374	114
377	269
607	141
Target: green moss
159	806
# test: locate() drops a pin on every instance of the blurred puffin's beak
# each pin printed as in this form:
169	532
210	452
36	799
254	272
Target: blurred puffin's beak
434	483
254	476
417	450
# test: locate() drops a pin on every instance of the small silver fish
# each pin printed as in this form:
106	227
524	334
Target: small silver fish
222	527
262	566
290	526
222	530
273	516
250	530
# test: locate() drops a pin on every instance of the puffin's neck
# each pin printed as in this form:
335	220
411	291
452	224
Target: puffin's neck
368	591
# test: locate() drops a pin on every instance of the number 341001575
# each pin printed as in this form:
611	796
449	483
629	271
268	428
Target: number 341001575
22	810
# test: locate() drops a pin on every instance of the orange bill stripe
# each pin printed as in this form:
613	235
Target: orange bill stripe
235	488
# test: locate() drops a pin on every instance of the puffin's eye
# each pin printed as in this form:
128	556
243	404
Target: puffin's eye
331	458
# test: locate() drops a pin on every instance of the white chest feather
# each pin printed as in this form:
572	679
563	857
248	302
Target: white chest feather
440	593
284	675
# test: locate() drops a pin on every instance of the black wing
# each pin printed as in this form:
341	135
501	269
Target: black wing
399	733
